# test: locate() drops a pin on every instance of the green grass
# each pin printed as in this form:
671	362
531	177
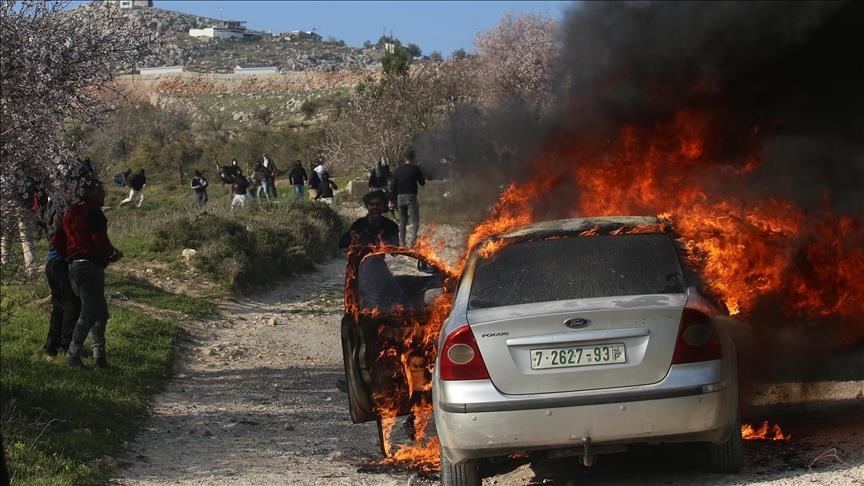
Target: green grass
138	290
59	423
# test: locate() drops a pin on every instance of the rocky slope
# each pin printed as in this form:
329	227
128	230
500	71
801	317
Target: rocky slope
176	48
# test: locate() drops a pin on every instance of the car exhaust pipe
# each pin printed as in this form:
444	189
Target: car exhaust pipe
587	456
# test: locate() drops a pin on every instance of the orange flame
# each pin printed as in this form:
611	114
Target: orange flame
764	432
745	249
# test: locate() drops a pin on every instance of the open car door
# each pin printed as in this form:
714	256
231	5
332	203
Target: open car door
389	295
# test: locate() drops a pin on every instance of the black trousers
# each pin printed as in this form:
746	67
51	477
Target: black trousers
65	306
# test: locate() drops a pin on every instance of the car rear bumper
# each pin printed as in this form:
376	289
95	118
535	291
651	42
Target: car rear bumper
674	410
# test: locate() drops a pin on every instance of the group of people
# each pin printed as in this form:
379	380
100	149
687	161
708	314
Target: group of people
79	250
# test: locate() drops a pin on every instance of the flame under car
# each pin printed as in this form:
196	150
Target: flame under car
583	335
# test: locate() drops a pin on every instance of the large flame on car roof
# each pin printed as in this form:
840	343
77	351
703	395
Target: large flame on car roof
745	249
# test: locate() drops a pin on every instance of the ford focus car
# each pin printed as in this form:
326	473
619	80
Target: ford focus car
580	337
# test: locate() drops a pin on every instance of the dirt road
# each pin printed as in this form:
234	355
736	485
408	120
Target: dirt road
255	402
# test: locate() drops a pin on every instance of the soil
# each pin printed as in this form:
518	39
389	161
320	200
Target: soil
256	400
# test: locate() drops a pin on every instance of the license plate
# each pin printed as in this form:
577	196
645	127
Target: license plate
596	354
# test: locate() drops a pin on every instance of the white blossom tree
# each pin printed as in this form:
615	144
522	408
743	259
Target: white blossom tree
515	60
54	65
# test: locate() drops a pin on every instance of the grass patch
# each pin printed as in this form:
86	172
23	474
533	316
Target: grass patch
138	290
59	424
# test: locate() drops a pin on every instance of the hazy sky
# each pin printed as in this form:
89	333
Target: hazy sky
439	26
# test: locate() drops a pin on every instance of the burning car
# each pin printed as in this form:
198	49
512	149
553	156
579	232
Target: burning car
387	344
579	337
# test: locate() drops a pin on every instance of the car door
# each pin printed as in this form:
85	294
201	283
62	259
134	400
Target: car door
389	296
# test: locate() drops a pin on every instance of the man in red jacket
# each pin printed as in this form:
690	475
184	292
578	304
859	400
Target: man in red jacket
89	251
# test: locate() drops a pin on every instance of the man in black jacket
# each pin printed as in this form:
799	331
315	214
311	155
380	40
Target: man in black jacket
404	190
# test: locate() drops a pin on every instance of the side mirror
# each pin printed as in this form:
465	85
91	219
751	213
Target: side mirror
426	268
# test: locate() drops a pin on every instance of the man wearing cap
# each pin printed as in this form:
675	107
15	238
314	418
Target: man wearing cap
89	251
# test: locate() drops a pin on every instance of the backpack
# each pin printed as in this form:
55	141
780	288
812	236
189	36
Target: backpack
314	180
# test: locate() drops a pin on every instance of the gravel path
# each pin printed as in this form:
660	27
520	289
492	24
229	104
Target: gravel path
255	402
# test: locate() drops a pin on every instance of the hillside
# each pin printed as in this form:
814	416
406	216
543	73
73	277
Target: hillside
176	48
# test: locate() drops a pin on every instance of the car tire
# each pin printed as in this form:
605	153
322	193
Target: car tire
728	456
465	474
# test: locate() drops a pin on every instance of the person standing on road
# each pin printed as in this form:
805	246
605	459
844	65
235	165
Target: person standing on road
378	287
89	251
374	228
136	188
199	185
404	190
298	177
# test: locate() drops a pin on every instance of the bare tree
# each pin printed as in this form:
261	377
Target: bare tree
55	64
385	116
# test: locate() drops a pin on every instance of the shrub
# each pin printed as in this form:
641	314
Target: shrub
255	247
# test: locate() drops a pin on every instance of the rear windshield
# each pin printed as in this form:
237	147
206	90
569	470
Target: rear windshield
577	268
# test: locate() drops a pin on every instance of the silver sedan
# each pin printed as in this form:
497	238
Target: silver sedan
579	337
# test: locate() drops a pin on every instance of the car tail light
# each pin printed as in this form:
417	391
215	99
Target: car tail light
460	357
697	339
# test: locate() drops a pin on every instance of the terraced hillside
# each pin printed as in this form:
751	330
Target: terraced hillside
176	48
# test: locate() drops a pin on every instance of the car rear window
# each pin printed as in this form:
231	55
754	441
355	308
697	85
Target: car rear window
577	268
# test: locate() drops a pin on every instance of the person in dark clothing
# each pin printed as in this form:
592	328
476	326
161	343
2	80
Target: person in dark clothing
378	287
65	305
374	228
271	177
326	188
298	177
199	185
261	178
239	188
379	176
136	188
89	251
404	193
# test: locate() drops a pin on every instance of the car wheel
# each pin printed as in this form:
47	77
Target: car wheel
465	474
727	457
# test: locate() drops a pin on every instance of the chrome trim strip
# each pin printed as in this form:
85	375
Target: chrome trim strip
474	396
579	336
557	402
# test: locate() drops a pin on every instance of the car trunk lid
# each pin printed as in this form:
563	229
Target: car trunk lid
578	345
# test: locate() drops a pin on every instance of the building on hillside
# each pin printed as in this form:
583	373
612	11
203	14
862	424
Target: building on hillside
299	34
153	71
256	70
226	29
131	3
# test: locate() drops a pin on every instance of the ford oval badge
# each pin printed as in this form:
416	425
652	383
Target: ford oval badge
577	323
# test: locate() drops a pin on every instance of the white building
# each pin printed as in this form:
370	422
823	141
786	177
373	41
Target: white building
229	29
131	3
